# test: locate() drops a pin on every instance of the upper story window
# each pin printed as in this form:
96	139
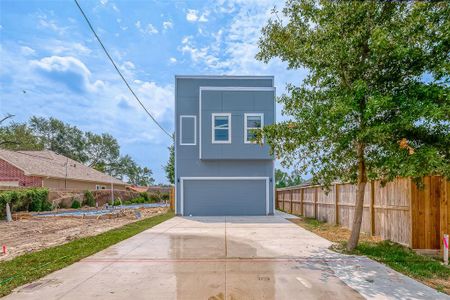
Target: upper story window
221	128
252	122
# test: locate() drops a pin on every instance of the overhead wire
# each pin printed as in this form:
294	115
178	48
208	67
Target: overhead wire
119	72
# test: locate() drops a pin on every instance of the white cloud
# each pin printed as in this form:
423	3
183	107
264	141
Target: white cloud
194	15
63	48
158	99
69	71
167	25
25	50
115	8
44	22
172	60
149	29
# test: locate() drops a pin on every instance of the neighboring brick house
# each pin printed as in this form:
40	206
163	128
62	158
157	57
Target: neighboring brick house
48	169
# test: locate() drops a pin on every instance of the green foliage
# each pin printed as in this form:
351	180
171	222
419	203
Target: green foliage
75	203
89	199
376	97
283	179
117	202
403	259
18	136
35	199
145	195
99	151
170	166
29	267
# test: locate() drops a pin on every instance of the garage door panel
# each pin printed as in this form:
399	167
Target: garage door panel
224	197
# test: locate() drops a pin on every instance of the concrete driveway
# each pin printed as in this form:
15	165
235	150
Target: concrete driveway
225	258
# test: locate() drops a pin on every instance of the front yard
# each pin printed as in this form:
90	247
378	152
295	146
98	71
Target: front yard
402	259
29	267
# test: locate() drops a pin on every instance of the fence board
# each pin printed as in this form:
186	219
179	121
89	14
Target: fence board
398	211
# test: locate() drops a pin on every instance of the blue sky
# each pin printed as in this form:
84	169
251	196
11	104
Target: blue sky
47	50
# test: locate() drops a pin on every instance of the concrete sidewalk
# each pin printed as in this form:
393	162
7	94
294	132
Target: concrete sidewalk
225	258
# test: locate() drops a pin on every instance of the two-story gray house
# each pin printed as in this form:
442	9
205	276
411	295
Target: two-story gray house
219	169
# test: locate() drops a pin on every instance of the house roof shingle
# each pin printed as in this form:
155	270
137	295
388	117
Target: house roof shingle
49	164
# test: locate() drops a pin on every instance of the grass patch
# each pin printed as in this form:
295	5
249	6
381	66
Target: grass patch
400	258
32	266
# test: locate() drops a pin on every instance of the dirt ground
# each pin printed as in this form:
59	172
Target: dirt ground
37	233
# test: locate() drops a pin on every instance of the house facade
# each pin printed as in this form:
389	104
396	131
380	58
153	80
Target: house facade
50	170
219	169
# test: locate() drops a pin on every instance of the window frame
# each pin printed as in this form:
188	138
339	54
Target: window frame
181	130
213	129
246	115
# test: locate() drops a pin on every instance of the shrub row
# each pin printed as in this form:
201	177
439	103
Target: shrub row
143	198
35	199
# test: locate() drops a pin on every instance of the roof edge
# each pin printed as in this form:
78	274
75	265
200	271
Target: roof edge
77	179
225	76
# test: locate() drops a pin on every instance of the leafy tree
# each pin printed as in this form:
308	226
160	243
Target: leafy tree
280	178
283	179
60	137
169	168
375	104
141	176
101	150
18	136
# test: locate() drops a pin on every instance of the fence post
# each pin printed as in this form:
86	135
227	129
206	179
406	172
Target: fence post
276	199
371	208
315	202
301	201
336	204
292	198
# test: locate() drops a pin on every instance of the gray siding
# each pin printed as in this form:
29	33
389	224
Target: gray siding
248	160
237	103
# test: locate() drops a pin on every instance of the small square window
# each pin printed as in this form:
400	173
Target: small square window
221	128
253	122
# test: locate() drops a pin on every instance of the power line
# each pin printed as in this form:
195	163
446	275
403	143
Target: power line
118	71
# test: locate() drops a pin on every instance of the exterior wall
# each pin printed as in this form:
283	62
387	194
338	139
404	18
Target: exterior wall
10	174
57	183
254	163
237	103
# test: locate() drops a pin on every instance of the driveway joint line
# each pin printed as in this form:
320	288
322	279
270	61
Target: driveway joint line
110	264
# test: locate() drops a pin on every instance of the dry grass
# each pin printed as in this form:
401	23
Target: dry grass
402	259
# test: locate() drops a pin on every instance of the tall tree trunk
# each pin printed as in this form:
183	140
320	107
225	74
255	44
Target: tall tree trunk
359	205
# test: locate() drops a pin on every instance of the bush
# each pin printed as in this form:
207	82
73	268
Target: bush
127	203
145	196
117	202
89	199
35	199
75	203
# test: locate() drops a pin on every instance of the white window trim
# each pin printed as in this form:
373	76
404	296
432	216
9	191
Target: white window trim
267	190
246	141
181	130
213	139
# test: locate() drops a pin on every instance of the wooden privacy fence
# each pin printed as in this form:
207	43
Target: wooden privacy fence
399	211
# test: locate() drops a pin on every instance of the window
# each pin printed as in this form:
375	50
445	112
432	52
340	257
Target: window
252	122
100	187
221	128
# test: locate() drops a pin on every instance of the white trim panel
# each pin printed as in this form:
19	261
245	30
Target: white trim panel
181	130
238	88
182	179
